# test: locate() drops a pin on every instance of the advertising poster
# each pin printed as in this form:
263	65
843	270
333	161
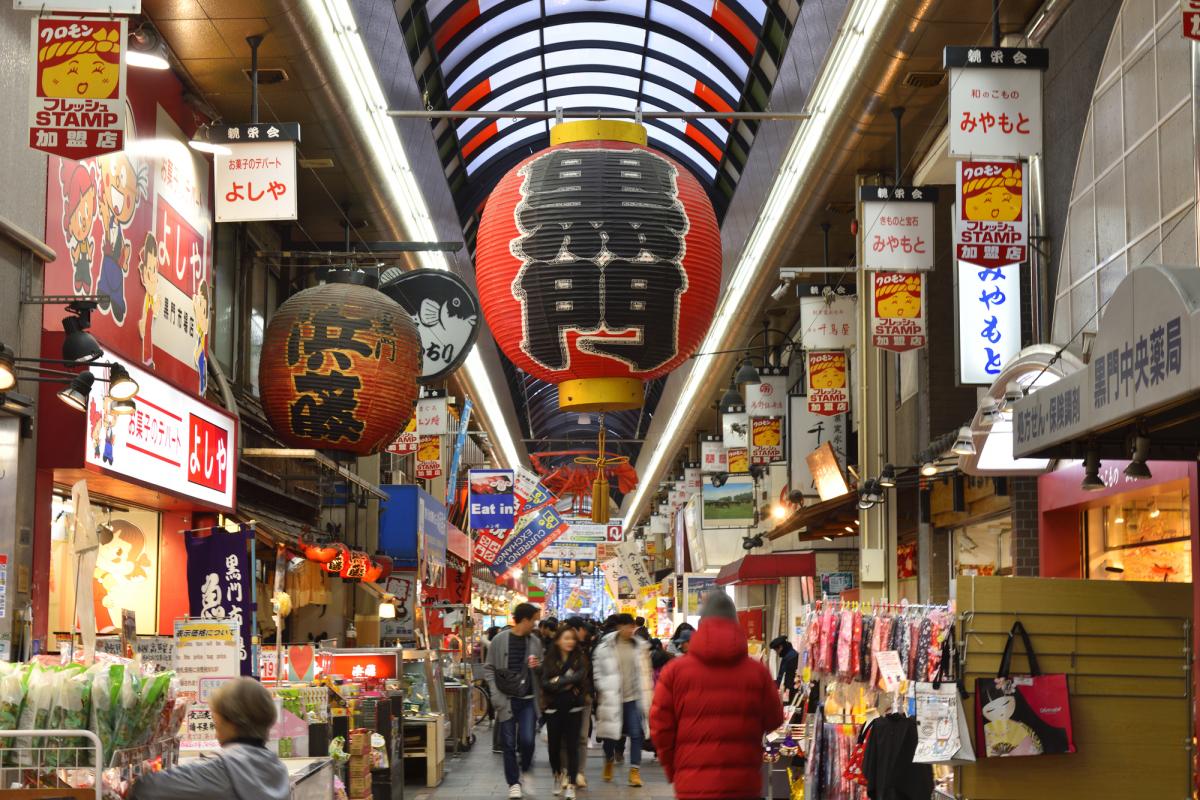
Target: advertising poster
898	311
766	440
493	505
990	227
989	321
429	456
406	442
828	387
536	531
77	105
995	100
220	579
529	491
729	506
434	535
402	585
898	227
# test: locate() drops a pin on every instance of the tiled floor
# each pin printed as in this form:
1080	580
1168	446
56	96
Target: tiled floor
479	775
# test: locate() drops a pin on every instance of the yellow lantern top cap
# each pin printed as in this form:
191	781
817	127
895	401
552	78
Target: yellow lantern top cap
611	130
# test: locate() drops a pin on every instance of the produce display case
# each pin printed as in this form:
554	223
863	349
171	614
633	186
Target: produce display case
425	721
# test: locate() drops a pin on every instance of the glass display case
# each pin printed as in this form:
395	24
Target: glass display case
426	683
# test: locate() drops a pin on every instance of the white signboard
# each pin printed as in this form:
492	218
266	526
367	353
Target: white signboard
995	101
898	227
432	416
712	456
692	480
613	575
735	430
989	321
256	180
827	323
172	440
569	551
634	566
767	398
586	532
808	431
206	648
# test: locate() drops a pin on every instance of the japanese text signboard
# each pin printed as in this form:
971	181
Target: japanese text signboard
827	320
995	101
429	457
898	311
535	533
828	383
256	181
897	226
766	440
205	649
220	579
712	455
172	440
768	398
1191	18
529	492
989	321
433	416
990	224
77	107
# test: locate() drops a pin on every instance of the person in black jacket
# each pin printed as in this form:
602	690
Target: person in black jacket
789	662
566	689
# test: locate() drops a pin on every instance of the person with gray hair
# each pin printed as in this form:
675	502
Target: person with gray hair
243	713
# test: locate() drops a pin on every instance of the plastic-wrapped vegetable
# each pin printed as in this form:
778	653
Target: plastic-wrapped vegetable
153	697
106	692
41	688
12	697
70	711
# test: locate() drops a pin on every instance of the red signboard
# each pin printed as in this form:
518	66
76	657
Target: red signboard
752	623
359	665
1191	19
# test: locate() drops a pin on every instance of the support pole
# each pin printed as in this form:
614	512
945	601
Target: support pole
825	243
995	23
254	41
898	113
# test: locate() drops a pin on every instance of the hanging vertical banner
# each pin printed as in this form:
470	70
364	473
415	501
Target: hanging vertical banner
536	532
220	581
529	492
995	100
827	319
768	398
898	311
434	538
433	416
634	566
989	321
406	442
766	440
77	105
828	387
735	428
492	504
460	442
897	223
990	226
429	456
712	455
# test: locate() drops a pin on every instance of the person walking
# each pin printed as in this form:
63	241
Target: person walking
511	671
711	710
565	691
789	662
625	688
585	633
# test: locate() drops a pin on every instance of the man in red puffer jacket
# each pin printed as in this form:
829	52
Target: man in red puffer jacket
711	709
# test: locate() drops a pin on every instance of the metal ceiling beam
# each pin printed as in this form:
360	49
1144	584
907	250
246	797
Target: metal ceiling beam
790	116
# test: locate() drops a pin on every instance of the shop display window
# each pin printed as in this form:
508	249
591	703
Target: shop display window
425	684
984	548
1141	537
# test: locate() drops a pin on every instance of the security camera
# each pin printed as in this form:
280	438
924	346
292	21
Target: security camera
780	291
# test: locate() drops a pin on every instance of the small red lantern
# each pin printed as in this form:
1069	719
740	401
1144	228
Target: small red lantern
598	264
320	552
380	568
339	367
355	566
335	565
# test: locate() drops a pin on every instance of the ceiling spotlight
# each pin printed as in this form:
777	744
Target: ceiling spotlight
827	538
779	512
146	49
1154	510
202	142
79	346
887	478
747	374
929	469
1091	468
964	445
874	492
76	395
123	407
8	368
120	385
1137	469
780	291
849	529
864	504
795	497
718	479
1012	393
732	397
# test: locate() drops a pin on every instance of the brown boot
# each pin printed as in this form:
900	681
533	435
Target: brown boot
635	776
608	771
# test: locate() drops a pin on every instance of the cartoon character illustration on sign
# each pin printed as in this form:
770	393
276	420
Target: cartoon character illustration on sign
994	197
110	431
148	271
79	213
122	185
88	69
95	426
123	566
200	355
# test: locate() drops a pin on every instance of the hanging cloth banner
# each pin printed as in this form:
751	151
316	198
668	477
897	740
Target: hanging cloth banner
459	443
990	225
492	503
536	532
898	311
220	581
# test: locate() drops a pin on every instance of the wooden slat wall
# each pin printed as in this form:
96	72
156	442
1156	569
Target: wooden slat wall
1125	650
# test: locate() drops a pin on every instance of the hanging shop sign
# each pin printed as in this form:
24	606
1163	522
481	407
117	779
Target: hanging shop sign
826	469
634	566
433	416
898	311
406	442
712	455
808	431
990	226
220	579
768	398
434	536
77	106
766	440
735	428
616	582
446	313
429	457
529	492
172	441
536	532
255	175
402	586
995	100
583	531
828	384
338	368
632	295
677	496
737	460
827	319
897	223
989	321
692	479
1146	355
493	505
1191	19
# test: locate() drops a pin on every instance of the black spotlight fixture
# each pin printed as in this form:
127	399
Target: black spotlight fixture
887	478
1091	472
732	397
1137	469
76	395
120	385
747	374
718	479
79	346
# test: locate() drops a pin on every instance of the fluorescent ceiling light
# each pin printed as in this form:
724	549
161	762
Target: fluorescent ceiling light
861	24
369	111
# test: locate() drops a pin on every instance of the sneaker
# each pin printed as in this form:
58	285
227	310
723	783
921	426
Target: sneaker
581	781
559	782
635	776
514	792
569	792
608	771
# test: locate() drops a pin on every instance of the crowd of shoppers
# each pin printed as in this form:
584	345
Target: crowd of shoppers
697	700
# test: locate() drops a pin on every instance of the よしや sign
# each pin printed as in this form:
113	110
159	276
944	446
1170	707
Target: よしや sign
256	178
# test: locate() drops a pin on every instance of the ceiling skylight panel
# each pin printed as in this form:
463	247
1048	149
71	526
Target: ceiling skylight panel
687	81
702	36
584	79
489	31
576	56
594	33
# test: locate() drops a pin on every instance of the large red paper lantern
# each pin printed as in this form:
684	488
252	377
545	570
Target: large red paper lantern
338	368
598	264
